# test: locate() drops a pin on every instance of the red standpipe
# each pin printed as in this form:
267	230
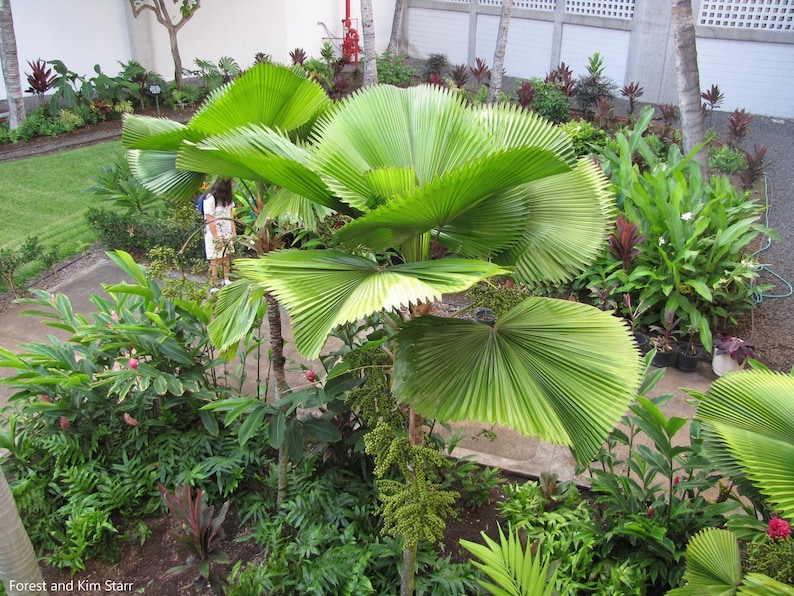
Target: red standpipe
350	48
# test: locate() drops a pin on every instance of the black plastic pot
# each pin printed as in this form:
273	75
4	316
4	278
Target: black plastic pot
643	343
687	362
663	359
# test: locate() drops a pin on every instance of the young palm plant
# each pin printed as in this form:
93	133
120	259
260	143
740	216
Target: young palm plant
266	97
502	191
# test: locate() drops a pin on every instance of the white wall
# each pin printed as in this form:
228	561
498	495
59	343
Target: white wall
529	45
437	32
580	42
82	33
740	68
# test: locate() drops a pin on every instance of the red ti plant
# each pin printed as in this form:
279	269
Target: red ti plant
526	93
200	529
298	56
712	98
738	126
632	92
481	71
41	79
624	241
755	165
460	76
562	77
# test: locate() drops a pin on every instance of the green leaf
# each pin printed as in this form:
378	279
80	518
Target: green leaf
542	369
277	429
252	424
321	429
326	288
294	438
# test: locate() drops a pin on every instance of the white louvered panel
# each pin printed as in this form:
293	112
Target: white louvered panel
614	9
749	14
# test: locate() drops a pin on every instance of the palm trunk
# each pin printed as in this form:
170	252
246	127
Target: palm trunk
10	64
495	90
397	28
18	563
409	562
688	79
368	36
280	386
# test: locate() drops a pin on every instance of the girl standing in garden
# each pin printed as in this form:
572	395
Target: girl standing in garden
219	232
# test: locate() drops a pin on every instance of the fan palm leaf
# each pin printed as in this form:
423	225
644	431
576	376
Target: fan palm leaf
448	196
713	565
266	94
749	422
326	288
541	369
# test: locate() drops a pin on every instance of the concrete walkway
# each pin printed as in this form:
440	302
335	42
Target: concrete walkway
510	450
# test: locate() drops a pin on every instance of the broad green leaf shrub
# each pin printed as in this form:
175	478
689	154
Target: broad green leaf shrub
325	539
99	419
694	260
393	70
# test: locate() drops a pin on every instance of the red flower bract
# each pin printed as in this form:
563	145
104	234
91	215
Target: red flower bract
778	529
311	376
133	362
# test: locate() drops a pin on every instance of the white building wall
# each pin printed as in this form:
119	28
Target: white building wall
437	32
529	45
580	42
740	68
82	33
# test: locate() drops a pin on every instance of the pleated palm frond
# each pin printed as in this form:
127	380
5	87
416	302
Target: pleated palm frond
157	171
291	208
266	94
556	370
567	227
713	565
758	584
322	289
451	195
513	569
749	422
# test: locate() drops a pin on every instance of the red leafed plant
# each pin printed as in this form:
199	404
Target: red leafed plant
199	529
526	93
625	240
41	79
481	71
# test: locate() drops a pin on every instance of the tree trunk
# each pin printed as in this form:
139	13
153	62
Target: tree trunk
409	562
18	562
688	79
10	63
395	40
495	90
176	56
280	386
368	36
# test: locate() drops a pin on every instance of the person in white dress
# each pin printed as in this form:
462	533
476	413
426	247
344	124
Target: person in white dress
219	231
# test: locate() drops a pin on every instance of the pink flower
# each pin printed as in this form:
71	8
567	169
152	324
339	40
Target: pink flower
778	528
114	315
65	422
676	480
130	420
46	398
311	376
650	512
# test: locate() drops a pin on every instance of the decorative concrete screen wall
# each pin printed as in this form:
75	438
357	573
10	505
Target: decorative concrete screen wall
746	47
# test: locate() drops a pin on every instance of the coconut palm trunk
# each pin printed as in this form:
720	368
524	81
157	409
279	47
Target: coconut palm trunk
368	37
495	90
688	79
395	40
10	63
19	566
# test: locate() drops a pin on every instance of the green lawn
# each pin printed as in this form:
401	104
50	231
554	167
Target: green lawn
46	197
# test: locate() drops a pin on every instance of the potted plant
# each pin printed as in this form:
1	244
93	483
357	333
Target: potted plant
730	353
663	341
689	352
632	314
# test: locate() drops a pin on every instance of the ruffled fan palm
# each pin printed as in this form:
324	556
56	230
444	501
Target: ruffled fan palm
499	189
